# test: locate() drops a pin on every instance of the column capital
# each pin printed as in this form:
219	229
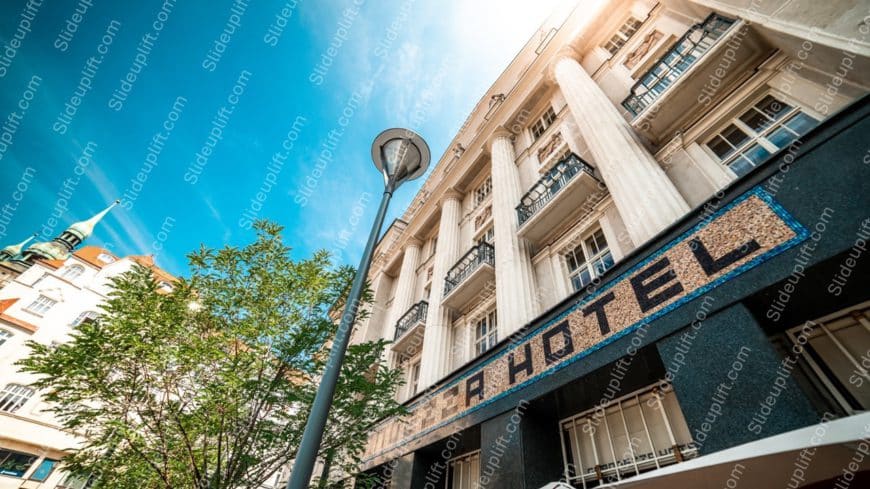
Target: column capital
450	194
497	133
412	241
566	53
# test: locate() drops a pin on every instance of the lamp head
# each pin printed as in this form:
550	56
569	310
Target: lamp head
400	155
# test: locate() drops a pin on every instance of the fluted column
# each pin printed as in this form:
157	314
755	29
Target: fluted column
436	343
378	323
404	296
515	291
647	200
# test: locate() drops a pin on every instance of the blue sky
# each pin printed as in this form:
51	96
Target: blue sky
179	108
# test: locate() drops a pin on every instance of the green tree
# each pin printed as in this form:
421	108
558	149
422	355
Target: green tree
208	386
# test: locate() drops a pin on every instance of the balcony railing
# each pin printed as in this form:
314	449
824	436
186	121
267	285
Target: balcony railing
471	261
549	185
416	314
668	69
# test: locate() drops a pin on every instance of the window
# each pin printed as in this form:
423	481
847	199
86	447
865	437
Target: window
165	286
4	335
72	272
633	434
15	463
433	244
486	332
540	126
487	236
622	35
838	351
464	472
765	128
106	258
41	305
413	378
588	260
43	470
482	191
84	317
72	481
13	397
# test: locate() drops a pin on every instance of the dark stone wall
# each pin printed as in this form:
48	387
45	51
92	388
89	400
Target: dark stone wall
727	371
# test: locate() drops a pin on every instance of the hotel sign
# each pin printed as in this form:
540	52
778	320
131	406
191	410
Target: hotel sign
738	237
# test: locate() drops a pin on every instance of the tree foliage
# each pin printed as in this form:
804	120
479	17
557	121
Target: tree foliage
209	385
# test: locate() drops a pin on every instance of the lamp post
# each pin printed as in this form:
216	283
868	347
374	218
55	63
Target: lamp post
400	155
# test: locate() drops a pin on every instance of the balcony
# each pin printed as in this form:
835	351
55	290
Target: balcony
410	328
696	70
560	192
469	277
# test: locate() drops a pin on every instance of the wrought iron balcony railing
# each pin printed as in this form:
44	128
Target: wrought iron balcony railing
668	69
549	185
416	314
471	261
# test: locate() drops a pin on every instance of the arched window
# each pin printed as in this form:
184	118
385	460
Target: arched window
72	272
84	317
4	335
14	396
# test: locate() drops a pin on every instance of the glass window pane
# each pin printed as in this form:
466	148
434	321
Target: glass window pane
801	123
773	107
43	470
781	137
741	166
734	135
756	154
720	147
758	121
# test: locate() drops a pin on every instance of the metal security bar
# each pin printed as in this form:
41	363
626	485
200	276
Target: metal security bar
416	314
687	50
478	255
463	472
642	431
549	185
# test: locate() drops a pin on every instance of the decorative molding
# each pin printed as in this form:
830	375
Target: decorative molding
483	217
547	149
643	49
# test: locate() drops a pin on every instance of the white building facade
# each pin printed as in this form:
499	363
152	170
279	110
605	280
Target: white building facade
617	123
50	289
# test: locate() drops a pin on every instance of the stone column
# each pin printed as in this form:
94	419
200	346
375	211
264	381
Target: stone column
404	297
647	200
377	326
436	343
515	291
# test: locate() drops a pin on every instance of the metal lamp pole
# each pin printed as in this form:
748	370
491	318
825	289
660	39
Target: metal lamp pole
401	155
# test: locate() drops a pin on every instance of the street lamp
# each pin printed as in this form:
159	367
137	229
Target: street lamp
400	155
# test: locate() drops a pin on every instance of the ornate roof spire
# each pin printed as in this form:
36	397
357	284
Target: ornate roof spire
83	229
12	251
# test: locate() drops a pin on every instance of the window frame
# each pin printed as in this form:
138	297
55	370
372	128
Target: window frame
619	38
544	121
761	138
14	396
483	342
450	481
72	272
38	307
11	453
590	259
84	316
483	191
855	316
